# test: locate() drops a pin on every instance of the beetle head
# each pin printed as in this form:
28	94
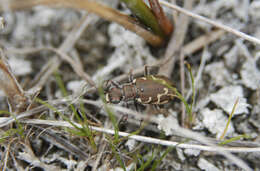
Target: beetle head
113	91
114	95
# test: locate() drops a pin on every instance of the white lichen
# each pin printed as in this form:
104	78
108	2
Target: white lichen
215	121
226	97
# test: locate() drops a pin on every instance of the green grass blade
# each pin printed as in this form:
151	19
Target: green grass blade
148	162
229	120
234	139
118	158
157	162
193	93
65	93
144	13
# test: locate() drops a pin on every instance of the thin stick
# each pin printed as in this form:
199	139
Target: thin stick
176	42
147	139
212	22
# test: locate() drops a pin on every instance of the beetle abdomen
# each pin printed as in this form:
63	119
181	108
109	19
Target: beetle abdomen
152	90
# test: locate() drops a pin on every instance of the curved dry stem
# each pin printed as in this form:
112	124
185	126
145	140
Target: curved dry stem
93	7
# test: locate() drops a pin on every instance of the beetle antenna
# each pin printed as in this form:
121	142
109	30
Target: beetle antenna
116	84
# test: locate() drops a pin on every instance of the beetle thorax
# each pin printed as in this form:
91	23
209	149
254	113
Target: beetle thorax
129	92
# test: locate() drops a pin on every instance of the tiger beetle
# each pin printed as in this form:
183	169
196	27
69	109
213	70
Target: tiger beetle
149	89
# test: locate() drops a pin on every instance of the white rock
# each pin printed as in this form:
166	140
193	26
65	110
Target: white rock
215	121
207	166
241	10
192	152
254	9
250	74
219	74
202	103
119	36
180	154
231	57
168	125
131	143
128	168
23	30
20	66
43	14
75	86
226	98
130	52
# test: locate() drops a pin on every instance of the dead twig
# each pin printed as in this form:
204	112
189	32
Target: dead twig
176	42
212	22
12	89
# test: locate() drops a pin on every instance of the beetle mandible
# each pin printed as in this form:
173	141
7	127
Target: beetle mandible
150	89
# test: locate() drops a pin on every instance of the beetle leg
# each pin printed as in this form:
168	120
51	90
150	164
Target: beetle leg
131	78
124	117
146	72
136	107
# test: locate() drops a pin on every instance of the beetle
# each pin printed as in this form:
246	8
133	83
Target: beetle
149	89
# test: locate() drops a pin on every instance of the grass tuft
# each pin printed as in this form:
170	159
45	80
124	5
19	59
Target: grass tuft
12	131
144	13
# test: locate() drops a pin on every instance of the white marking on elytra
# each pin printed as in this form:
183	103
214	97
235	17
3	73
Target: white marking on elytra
162	81
143	78
166	90
144	102
134	81
107	98
148	101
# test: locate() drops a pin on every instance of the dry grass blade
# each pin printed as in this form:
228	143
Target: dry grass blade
11	87
214	23
163	21
152	140
61	142
176	42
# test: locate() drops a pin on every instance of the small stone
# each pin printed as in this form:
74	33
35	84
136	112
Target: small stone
180	154
219	74
250	74
74	86
131	143
168	124
203	164
231	57
192	152
20	66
